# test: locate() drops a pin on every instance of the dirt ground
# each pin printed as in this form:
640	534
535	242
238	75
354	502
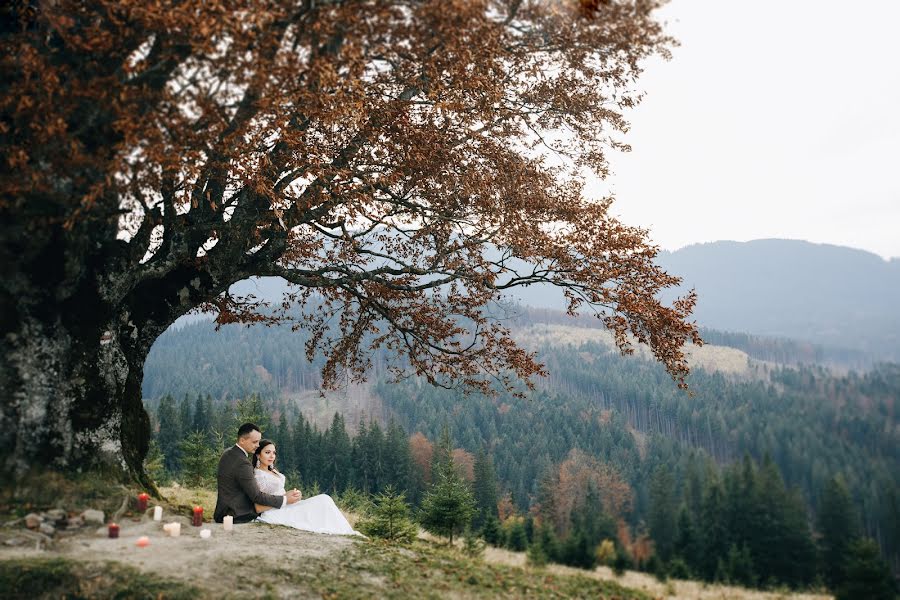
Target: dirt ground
231	562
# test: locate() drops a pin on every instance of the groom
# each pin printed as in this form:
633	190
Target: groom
238	493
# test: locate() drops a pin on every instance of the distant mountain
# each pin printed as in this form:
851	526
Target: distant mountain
845	301
828	295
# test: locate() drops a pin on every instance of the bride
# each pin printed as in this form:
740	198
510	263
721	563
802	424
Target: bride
318	514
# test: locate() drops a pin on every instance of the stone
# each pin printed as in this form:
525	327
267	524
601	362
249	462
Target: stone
56	514
93	516
47	529
15	541
33	520
74	523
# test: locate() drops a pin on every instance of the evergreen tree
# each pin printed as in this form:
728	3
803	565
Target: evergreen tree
284	442
866	574
490	531
397	457
839	529
155	464
714	536
448	506
739	567
169	433
516	537
389	518
485	489
662	512
201	417
198	459
442	458
687	544
336	456
251	410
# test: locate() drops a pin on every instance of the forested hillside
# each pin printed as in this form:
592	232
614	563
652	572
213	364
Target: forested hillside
750	456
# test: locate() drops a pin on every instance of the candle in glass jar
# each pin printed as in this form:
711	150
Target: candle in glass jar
227	522
113	530
142	501
157	513
197	519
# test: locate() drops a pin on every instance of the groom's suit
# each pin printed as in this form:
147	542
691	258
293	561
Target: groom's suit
237	488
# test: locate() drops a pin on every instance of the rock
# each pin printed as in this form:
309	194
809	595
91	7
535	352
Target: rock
56	514
47	529
33	520
15	541
93	516
74	522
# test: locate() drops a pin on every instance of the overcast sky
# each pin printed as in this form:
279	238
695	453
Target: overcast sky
775	118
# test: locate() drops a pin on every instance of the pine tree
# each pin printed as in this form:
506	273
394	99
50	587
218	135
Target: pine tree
662	512
201	418
389	518
490	531
155	464
866	574
687	546
485	489
839	528
199	461
448	506
397	458
714	535
169	433
740	567
251	410
516	537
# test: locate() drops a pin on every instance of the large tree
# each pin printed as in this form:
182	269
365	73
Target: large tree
399	162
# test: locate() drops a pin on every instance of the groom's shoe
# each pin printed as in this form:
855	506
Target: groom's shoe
245	518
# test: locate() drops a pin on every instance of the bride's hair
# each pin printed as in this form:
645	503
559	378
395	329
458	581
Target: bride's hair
263	444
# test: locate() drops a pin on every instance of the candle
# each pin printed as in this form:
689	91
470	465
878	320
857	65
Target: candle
205	534
197	519
157	513
113	530
174	529
142	501
142	542
228	523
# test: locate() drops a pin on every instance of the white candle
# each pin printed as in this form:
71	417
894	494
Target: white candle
205	534
175	529
157	513
228	522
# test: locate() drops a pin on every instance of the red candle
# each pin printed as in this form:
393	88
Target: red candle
142	501
113	530
197	521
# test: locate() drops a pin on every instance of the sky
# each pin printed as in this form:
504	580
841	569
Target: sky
774	119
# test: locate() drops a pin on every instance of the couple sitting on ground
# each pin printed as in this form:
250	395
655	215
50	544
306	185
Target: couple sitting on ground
250	488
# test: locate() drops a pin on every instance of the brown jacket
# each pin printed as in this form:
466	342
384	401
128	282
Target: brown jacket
237	490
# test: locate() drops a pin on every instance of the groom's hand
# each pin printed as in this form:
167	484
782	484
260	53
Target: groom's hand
294	496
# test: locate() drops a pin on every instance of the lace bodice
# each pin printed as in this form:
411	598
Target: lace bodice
269	483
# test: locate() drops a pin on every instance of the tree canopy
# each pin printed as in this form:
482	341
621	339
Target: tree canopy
399	162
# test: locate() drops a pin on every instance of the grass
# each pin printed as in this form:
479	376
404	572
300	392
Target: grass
428	570
73	492
61	578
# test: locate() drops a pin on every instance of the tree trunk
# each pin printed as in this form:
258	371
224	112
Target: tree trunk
73	395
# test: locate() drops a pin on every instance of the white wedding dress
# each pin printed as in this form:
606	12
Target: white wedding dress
318	514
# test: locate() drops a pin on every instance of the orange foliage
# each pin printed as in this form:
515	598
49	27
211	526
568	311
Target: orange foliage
422	450
505	507
465	463
576	474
